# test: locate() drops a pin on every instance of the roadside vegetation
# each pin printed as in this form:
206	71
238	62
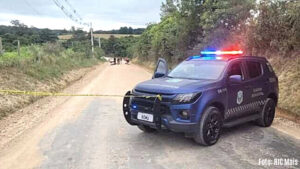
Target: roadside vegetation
42	63
46	58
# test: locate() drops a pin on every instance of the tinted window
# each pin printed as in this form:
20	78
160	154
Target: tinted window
254	69
236	69
198	70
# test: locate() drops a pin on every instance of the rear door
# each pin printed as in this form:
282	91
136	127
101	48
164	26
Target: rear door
257	83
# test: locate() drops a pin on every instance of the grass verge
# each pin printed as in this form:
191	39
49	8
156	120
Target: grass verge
48	67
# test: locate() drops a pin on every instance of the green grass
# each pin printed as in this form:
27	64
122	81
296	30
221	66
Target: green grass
47	61
40	68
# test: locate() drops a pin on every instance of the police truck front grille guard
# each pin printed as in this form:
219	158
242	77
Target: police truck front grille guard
148	105
157	113
156	108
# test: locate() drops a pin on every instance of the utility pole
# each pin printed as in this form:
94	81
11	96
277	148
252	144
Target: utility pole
99	41
92	40
18	48
1	46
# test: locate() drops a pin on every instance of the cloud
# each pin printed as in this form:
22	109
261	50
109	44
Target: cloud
36	21
104	14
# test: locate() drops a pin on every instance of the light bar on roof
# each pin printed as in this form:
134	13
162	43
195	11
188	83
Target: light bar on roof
219	52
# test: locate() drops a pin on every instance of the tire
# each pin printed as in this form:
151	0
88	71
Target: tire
146	129
209	128
267	114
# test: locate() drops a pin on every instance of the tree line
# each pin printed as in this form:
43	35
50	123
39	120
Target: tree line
122	30
31	35
188	26
26	35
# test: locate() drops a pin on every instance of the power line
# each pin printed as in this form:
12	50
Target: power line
73	10
74	17
28	4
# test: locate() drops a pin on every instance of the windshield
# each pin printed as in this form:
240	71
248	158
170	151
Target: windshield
210	70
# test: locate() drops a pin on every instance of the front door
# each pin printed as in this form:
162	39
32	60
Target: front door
238	93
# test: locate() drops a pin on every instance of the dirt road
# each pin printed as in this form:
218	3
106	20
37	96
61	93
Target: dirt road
90	132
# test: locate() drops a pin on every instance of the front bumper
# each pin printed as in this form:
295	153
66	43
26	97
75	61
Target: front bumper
168	123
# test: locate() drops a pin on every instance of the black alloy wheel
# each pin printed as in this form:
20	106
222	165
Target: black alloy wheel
209	130
267	114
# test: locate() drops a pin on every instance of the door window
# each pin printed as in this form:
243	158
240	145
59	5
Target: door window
254	69
236	69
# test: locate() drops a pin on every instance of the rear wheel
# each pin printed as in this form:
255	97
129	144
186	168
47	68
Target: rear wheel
146	129
268	113
209	129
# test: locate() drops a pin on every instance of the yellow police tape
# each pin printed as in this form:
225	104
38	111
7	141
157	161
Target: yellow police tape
34	93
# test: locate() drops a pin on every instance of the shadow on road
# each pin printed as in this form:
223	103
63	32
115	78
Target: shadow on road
180	138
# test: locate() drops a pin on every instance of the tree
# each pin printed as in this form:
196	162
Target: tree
119	47
123	30
275	29
130	30
17	23
79	34
47	36
186	24
168	8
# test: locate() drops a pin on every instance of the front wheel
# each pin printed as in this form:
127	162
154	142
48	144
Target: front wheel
146	129
209	129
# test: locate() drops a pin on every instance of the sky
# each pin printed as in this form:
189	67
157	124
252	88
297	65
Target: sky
104	14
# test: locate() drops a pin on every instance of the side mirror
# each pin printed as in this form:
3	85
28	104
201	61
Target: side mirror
158	75
161	69
235	79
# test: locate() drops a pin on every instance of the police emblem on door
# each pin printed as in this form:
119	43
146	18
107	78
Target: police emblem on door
239	99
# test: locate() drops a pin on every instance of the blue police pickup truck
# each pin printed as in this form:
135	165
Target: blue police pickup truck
203	94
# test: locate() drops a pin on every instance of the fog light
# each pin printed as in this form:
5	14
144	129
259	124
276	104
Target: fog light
184	114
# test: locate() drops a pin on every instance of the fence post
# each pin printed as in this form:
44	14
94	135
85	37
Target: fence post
92	40
1	49
18	47
99	41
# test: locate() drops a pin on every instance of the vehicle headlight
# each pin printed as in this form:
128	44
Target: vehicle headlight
186	98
